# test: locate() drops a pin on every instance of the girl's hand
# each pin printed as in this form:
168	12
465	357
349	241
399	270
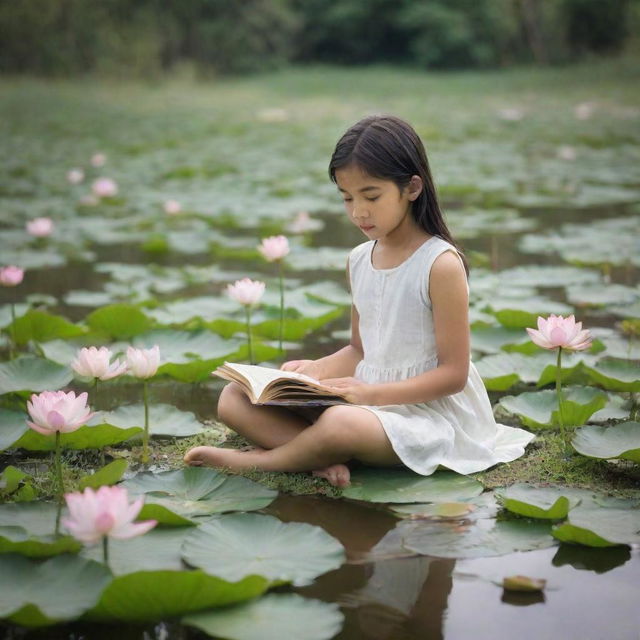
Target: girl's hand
307	367
353	390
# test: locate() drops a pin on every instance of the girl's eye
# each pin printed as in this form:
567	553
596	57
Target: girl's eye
372	199
347	199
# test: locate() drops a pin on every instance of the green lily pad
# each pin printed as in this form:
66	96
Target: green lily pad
272	617
601	295
238	545
597	526
482	538
107	476
524	313
197	491
40	326
29	373
11	479
617	408
13	426
620	441
550	276
616	375
493	339
164	420
5	313
403	485
552	503
34	594
153	595
90	436
119	321
539	409
469	509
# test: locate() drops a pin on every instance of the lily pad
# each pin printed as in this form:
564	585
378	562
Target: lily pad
482	506
197	491
524	313
29	373
238	545
119	321
17	484
272	617
549	503
14	425
539	409
620	441
108	475
493	339
616	375
40	326
35	594
400	485
164	420
596	526
90	436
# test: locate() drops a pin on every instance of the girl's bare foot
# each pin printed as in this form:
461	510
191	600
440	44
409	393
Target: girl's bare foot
217	457
337	475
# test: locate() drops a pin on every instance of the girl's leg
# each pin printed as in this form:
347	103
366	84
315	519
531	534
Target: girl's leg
341	433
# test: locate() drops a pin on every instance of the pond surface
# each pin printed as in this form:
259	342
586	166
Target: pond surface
483	166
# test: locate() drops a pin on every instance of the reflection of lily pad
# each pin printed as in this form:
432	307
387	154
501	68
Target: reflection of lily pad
62	588
197	491
539	409
238	545
29	373
272	617
403	485
620	441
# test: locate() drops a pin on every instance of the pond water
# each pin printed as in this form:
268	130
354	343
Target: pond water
591	593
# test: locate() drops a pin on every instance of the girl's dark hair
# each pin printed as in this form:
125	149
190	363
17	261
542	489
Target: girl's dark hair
388	148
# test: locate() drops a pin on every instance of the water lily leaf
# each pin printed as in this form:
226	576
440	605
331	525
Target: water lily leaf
153	595
62	588
29	373
107	476
5	313
119	321
539	409
272	617
41	326
523	583
481	538
617	408
14	425
164	420
238	545
197	491
403	485
501	371
549	276
616	375
524	313
600	295
552	503
493	339
11	478
595	526
205	308
90	436
482	506
619	441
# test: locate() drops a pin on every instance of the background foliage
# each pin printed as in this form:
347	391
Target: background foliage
147	37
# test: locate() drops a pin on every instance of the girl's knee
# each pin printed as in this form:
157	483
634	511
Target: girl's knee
232	399
338	426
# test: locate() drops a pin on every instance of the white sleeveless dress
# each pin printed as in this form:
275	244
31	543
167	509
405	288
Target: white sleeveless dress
458	431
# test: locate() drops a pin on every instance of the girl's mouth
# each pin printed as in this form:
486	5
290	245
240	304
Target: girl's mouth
366	227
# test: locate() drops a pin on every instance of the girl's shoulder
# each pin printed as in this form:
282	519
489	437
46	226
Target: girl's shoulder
360	251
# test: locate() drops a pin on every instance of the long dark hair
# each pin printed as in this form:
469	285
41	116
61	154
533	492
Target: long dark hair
388	148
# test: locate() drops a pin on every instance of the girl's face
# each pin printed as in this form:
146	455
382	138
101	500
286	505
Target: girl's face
378	207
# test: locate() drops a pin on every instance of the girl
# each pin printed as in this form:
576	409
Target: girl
416	397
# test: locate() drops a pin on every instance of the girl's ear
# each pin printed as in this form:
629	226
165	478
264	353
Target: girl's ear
414	188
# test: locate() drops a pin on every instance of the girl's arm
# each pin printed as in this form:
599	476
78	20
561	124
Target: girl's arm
450	307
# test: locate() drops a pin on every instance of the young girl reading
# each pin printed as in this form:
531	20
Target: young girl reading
416	398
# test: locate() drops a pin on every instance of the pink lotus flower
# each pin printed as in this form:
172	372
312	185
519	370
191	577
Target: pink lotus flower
53	411
246	291
104	187
143	363
98	160
557	331
40	227
11	276
75	176
172	207
274	248
105	512
94	363
303	222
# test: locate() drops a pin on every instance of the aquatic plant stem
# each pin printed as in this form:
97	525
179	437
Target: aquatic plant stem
281	270
248	313
559	395
59	482
12	333
145	437
105	550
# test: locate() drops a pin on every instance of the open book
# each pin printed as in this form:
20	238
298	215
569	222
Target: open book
273	386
